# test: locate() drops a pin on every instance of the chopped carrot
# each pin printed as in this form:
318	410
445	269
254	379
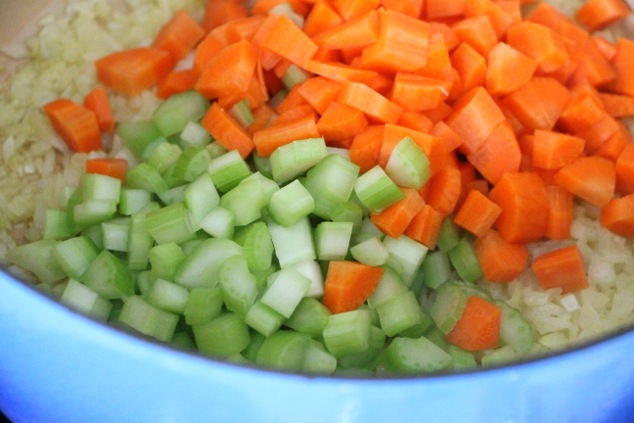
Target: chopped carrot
366	147
507	69
618	215
618	105
598	14
435	9
350	9
263	115
394	220
357	32
444	131
524	203
220	12
97	100
498	154
470	65
113	167
425	226
229	72
477	213
134	70
624	169
444	190
227	131
373	104
300	111
418	93
319	92
612	148
501	261
475	116
207	49
292	100
553	150
417	121
322	16
563	268
76	124
560	216
348	285
478	32
264	6
433	147
479	326
340	122
591	178
500	19
408	7
266	140
438	63
243	28
176	82
593	68
179	35
540	43
299	51
607	48
341	72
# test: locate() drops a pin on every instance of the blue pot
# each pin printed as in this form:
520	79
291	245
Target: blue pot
59	366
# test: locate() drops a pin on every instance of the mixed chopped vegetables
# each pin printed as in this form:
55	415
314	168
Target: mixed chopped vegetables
326	183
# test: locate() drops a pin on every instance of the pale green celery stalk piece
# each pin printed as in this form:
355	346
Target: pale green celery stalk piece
173	195
294	74
173	114
168	296
241	112
191	163
143	317
228	170
133	200
284	350
402	313
317	360
366	230
286	291
408	165
219	223
350	212
502	355
144	281
201	196
415	356
95	186
448	306
371	252
138	135
109	277
238	285
194	135
247	200
332	240
165	259
449	235
37	258
223	336
435	269
368	359
263	319
465	261
293	244
390	286
262	164
203	305
56	225
376	190
85	300
406	256
202	265
74	255
348	332
310	316
290	203
172	223
257	244
145	177
294	159
461	359
515	330
139	239
164	156
312	270
92	212
215	149
331	182
114	234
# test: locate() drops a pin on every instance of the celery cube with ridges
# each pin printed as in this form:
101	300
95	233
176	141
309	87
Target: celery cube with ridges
203	304
241	112
138	135
348	332
74	255
294	243
238	285
370	358
219	223
247	200
93	211
284	350
172	223
390	286
173	114
37	257
408	165
263	318
164	155
228	170
400	314
145	177
435	269
448	306
310	316
406	256
109	276
140	315
95	186
168	296
286	291
132	200
515	329
312	270
201	266
201	196
415	356
332	240
56	225
376	190
114	234
165	259
371	252
292	160
290	203
223	336
191	163
257	244
85	300
318	360
465	261
194	135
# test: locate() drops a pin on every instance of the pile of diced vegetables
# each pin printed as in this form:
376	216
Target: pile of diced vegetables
326	183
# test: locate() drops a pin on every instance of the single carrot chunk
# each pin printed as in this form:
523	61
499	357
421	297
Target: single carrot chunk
477	213
618	215
479	326
501	261
76	124
348	285
97	100
114	167
563	268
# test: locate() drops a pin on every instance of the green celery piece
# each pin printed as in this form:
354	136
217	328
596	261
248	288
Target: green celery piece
408	165
74	255
168	296
293	244
194	135
143	281
284	350
203	304
286	291
172	115
215	149
37	258
223	336
349	211
415	356
515	330
312	270
228	170
247	200
109	277
165	259
499	356
85	300
139	240
449	235
448	306
371	252
56	225
465	261
201	196
145	177
138	135
332	240
238	285
290	203
92	212
95	186
263	319
201	266
147	319
251	351
348	332
292	160
191	163
370	358
262	164
376	190
461	359
317	360
401	313
406	256
133	200
173	195
219	223
310	316
182	340
257	245
114	234
163	156
435	269
172	223
390	286
294	74
241	112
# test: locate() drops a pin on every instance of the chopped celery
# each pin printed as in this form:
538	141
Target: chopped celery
92	212
286	291
370	358
449	235
436	269
114	234
74	255
461	359
223	336
172	115
242	113
348	332
133	200
257	245
407	355
312	270
95	186
310	316
163	156
292	160
109	276
401	313
194	135
290	203
332	240
168	296
138	135
318	360
173	195
448	306
514	329
85	300
201	266
238	285
331	182
201	196
247	200
406	256
294	243
219	223
191	163
263	318
56	225
408	165
145	177
376	190
165	259
228	170
203	304
284	350
465	261
37	258
171	224
390	286
371	252
140	315
294	74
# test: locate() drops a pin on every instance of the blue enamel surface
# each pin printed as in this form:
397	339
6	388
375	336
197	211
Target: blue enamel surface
56	365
